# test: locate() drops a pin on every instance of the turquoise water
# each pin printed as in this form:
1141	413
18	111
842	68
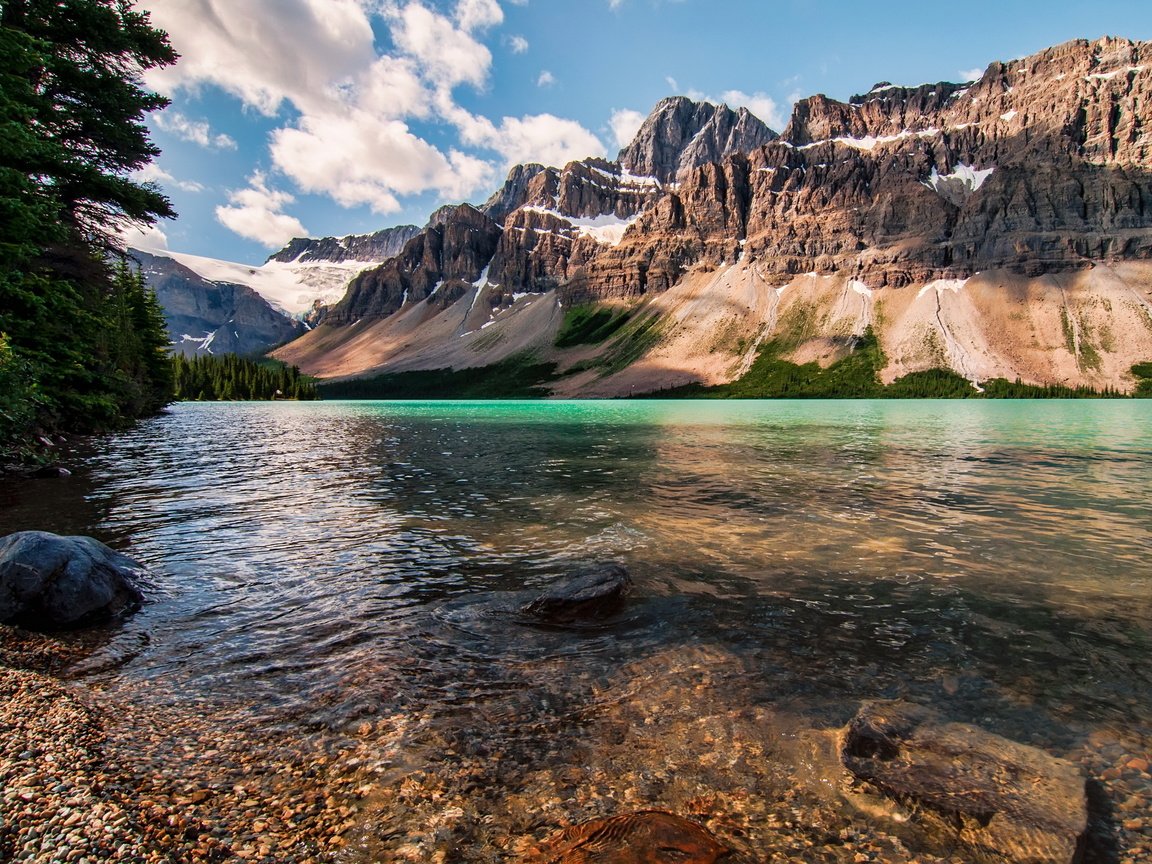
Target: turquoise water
319	564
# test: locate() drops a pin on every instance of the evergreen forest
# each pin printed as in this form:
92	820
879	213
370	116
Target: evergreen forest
83	345
208	378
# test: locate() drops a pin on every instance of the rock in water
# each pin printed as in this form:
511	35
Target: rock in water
48	582
595	593
1008	801
644	837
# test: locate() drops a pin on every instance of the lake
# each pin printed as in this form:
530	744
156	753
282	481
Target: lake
329	578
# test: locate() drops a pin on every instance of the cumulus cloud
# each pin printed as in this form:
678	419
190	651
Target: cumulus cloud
478	14
147	237
350	135
361	159
625	123
153	173
545	79
447	55
197	131
264	51
256	213
543	138
971	74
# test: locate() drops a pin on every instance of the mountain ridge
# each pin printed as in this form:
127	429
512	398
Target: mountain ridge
998	227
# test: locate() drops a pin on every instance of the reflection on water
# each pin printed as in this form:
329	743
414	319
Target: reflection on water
318	566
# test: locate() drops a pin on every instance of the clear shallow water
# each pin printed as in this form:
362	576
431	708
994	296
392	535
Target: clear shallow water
319	564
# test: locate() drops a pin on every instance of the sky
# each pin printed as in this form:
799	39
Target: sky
332	117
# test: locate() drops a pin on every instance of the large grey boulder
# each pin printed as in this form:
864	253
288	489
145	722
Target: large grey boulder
598	592
49	582
1004	800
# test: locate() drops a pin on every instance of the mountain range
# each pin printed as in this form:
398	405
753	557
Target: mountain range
997	228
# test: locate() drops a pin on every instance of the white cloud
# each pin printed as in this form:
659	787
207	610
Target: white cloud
256	213
146	237
542	138
673	84
351	133
153	173
196	131
391	88
264	51
971	74
625	123
478	14
446	55
545	79
359	159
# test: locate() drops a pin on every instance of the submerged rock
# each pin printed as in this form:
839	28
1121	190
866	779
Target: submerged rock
1005	800
595	593
49	582
643	837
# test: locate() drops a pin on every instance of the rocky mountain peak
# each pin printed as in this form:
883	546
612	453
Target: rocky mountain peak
518	190
681	134
370	248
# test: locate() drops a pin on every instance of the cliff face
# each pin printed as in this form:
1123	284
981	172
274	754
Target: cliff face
1040	166
369	248
1039	174
681	134
206	317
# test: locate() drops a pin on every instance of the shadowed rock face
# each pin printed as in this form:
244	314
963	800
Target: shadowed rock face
451	253
1001	798
49	582
378	246
205	317
645	837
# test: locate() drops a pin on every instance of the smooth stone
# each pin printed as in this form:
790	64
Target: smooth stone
643	837
598	592
50	582
1004	799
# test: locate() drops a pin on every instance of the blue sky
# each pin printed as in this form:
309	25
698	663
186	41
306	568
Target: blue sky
330	117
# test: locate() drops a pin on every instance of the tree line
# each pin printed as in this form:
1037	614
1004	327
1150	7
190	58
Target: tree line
83	345
208	378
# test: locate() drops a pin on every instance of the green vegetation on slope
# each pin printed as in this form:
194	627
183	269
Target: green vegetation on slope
518	377
1142	372
84	343
589	325
230	378
857	376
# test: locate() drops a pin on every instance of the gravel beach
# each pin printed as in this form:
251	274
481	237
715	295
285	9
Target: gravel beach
88	777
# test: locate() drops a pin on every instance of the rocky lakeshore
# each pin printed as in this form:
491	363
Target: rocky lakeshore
88	776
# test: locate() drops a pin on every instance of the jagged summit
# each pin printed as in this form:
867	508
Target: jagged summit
681	134
374	247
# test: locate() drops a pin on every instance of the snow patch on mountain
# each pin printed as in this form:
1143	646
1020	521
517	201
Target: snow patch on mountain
293	288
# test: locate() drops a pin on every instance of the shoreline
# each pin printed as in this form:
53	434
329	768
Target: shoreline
83	777
94	775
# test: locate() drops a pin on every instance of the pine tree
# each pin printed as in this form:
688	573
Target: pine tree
71	132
